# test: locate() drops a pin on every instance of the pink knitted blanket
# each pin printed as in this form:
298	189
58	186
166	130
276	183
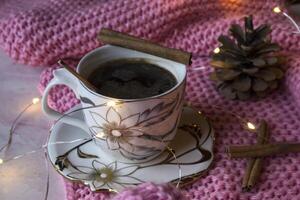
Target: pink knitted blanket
40	32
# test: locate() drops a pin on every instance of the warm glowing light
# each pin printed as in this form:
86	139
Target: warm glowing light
250	125
1	161
276	9
217	50
100	135
103	175
111	103
113	190
116	133
35	100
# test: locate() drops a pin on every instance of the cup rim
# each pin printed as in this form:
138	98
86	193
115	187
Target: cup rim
179	84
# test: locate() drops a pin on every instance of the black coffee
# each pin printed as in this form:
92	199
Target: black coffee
131	79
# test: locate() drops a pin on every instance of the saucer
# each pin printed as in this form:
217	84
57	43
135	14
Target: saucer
76	157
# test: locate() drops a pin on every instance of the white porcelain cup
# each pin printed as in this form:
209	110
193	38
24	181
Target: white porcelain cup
135	129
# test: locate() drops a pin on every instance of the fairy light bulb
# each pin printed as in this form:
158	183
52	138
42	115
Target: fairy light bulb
217	50
116	133
112	190
1	161
100	135
277	9
294	23
111	103
250	126
35	100
103	175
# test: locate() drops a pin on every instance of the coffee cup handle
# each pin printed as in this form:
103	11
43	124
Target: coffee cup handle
62	77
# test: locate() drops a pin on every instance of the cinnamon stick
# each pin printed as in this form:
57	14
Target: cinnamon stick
120	39
74	73
254	165
246	177
255	173
262	150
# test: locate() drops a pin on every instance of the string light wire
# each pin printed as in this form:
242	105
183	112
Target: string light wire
277	10
14	123
43	147
179	166
48	175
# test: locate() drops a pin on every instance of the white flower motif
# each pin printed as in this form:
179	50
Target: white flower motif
101	175
115	130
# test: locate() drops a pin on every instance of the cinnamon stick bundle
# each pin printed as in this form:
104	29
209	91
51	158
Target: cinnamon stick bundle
120	39
262	150
254	165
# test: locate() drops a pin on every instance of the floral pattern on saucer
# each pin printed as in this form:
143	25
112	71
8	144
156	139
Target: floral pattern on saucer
106	175
85	162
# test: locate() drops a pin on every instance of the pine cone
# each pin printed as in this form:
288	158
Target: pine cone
247	66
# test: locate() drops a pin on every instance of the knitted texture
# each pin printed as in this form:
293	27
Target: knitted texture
45	32
150	191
